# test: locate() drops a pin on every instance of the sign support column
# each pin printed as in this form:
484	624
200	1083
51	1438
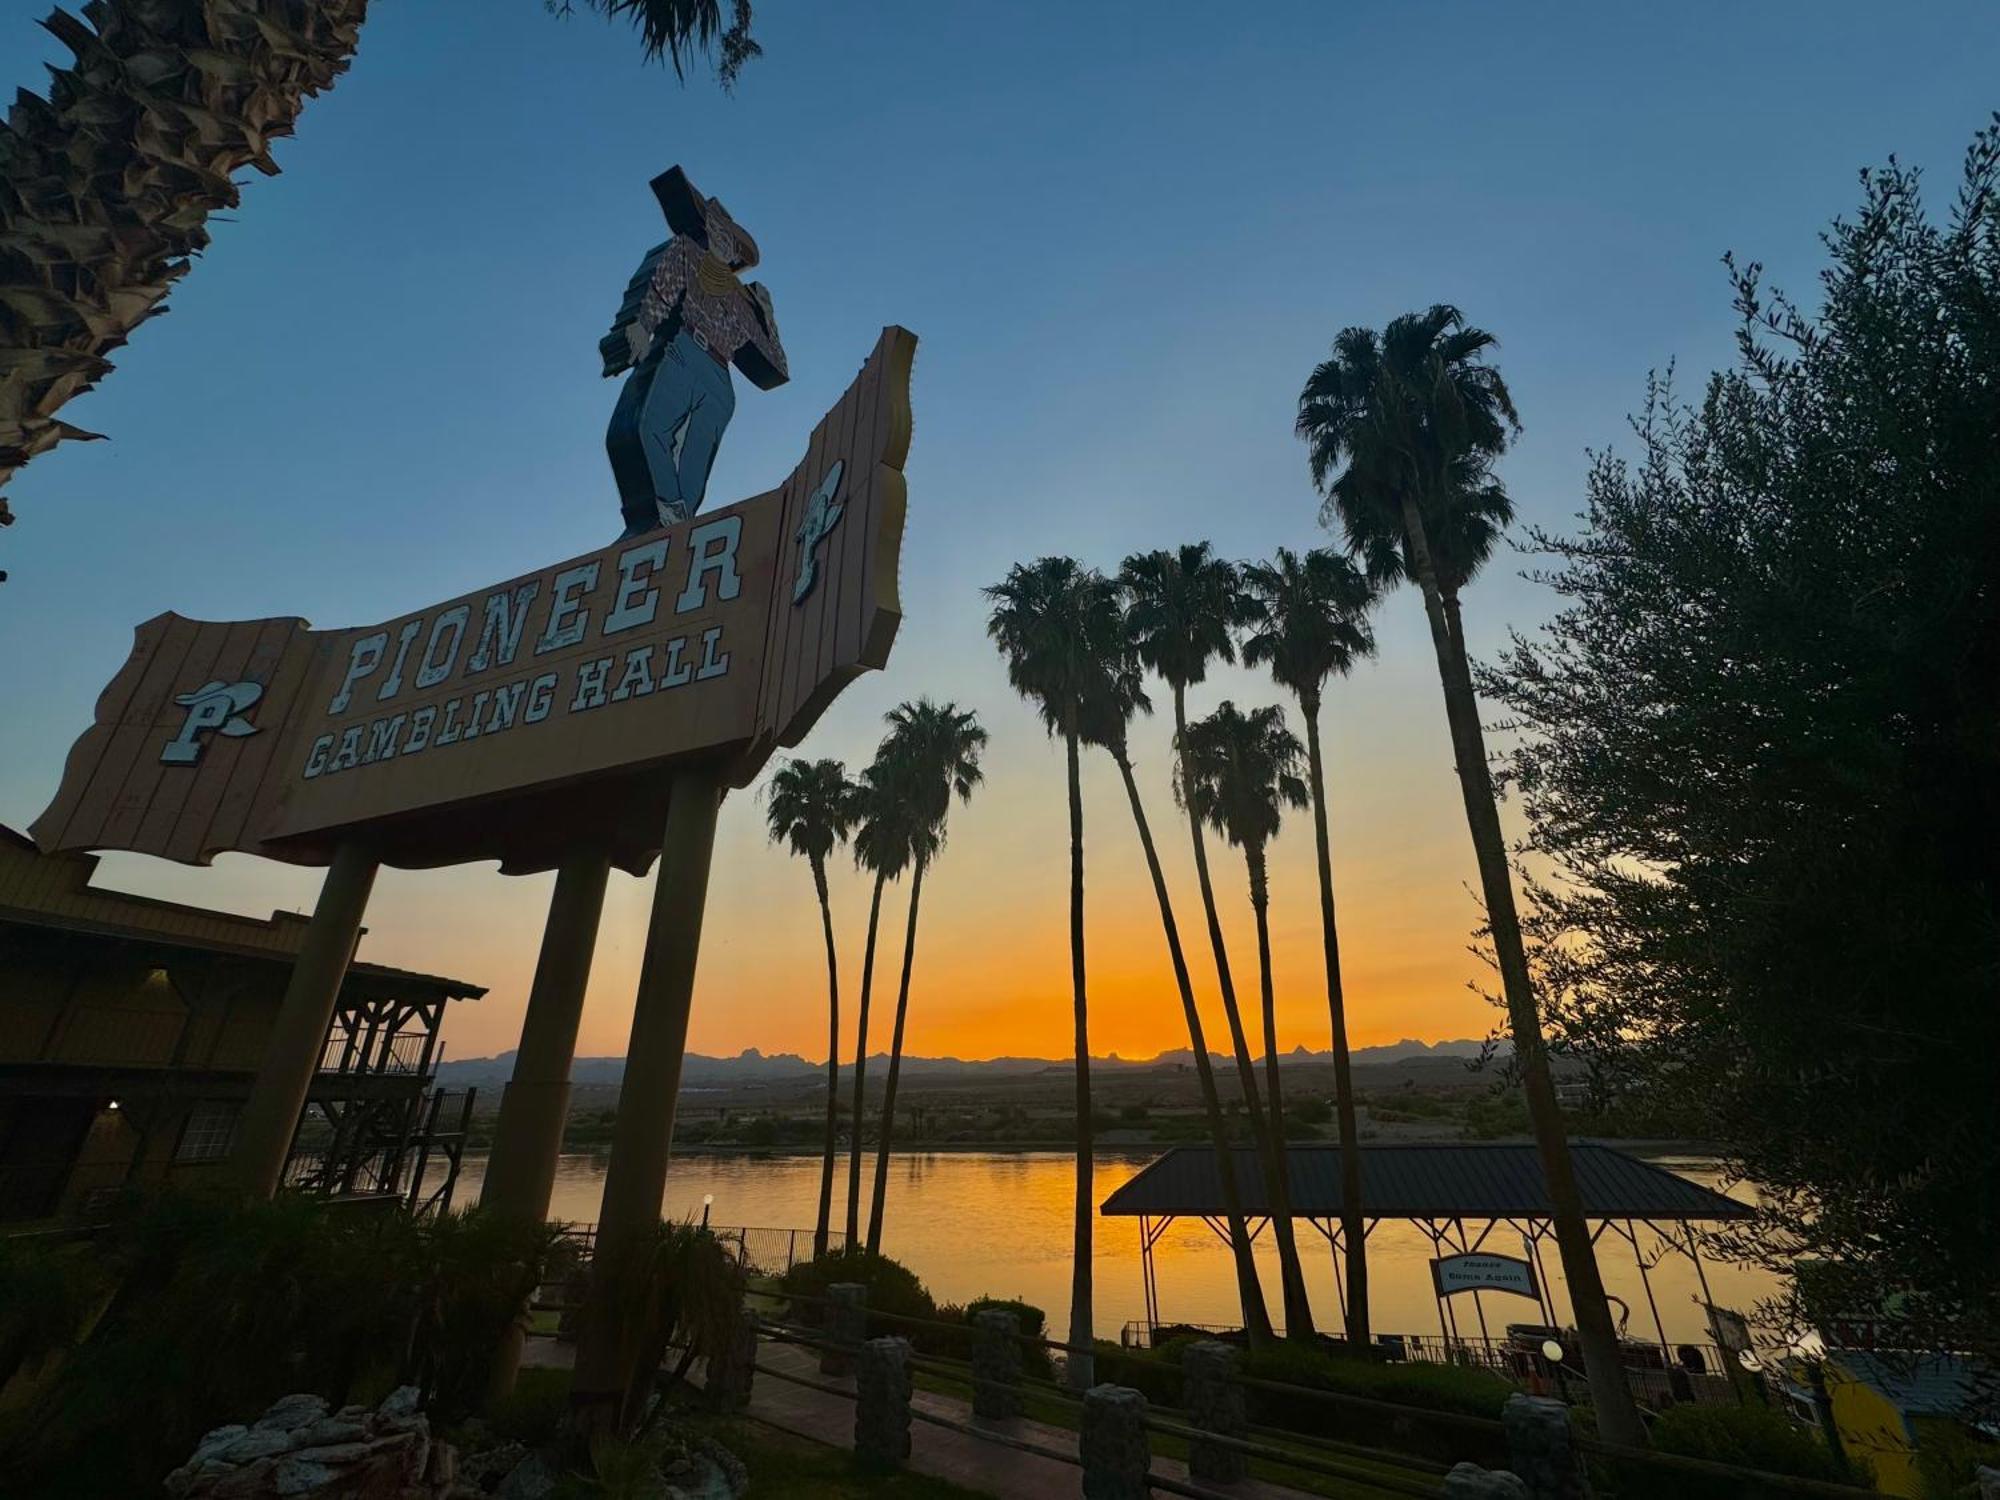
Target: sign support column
520	1175
635	1180
271	1116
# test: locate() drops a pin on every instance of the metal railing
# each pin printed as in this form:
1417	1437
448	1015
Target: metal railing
401	1057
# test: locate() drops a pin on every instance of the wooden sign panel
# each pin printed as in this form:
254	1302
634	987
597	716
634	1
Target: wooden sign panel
512	722
1479	1272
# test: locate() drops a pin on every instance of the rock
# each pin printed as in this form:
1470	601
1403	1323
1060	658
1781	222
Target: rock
1113	1444
444	1466
488	1467
1470	1482
733	1469
288	1412
299	1476
332	1430
403	1401
258	1442
336	1453
220	1438
534	1478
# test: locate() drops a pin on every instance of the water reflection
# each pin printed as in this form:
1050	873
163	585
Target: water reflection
971	1224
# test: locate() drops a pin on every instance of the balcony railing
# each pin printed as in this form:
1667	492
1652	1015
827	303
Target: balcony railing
402	1056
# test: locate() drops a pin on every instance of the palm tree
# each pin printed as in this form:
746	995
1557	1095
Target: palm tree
1242	772
881	846
1181	609
935	749
1121	695
810	807
1403	430
106	186
1309	622
1057	623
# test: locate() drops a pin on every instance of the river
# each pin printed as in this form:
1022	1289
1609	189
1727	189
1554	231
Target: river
999	1223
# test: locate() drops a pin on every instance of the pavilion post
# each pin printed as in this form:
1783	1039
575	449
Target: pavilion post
271	1115
1632	1234
635	1180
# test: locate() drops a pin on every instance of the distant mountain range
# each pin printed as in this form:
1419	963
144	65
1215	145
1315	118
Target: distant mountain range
753	1066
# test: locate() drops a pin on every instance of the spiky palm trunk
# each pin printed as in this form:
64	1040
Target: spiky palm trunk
1082	1324
1277	1183
1617	1417
1353	1222
1249	1291
861	1065
1260	906
886	1134
107	185
822	1224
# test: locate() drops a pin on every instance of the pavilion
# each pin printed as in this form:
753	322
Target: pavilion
1456	1193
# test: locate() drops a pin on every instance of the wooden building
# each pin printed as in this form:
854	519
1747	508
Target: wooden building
130	1031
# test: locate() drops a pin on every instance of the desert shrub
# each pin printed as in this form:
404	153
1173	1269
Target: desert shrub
893	1291
1149	1372
1753	1437
1035	1360
535	1411
221	1308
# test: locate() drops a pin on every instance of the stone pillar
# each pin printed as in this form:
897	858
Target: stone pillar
732	1372
291	1056
1989	1483
635	1181
996	1364
1215	1404
1541	1448
846	1326
1470	1482
882	1403
1113	1445
528	1135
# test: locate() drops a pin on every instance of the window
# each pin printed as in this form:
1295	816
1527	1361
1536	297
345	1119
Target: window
210	1131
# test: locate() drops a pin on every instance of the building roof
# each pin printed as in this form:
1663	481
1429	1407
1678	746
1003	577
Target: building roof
54	892
1918	1385
1422	1181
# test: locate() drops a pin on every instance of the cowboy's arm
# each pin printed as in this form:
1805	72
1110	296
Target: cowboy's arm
626	345
762	357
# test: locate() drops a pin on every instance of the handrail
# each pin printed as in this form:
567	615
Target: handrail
1303	1462
1686	1463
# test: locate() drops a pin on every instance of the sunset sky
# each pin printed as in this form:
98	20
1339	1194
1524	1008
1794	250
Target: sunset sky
1123	233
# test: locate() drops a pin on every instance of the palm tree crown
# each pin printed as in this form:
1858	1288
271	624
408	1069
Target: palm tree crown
1415	413
1243	771
811	807
1057	623
887	838
1181	606
934	749
1308	618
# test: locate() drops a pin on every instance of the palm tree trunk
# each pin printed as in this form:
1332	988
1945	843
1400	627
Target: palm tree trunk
1256	1318
888	1129
1082	1325
860	1067
820	1225
1298	1310
1353	1224
1277	1188
1617	1417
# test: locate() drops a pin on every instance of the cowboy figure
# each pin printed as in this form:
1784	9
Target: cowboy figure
685	319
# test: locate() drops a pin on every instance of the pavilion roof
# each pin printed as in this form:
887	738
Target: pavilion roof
1423	1181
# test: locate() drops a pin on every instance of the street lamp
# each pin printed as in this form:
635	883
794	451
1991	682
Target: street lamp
707	1202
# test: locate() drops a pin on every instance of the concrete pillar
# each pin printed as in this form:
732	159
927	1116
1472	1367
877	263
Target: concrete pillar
733	1372
1541	1448
635	1181
1215	1404
1470	1482
521	1172
846	1326
291	1056
996	1364
882	1403
1113	1444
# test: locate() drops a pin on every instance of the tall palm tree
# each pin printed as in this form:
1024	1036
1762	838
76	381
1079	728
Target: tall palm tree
1182	607
1242	772
1057	623
1403	429
1110	710
935	748
1309	622
809	806
106	186
882	847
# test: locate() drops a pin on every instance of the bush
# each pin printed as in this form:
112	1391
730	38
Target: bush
1753	1437
535	1411
1948	1456
893	1289
1035	1360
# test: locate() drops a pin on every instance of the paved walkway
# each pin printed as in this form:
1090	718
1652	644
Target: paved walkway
987	1467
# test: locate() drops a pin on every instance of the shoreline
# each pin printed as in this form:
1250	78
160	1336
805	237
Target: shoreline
1648	1148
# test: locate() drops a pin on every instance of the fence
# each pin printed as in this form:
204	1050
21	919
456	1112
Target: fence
1115	1425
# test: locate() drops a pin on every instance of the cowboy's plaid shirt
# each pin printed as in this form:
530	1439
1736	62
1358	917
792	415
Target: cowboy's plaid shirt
731	319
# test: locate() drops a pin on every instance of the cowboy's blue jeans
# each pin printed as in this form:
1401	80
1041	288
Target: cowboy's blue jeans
665	431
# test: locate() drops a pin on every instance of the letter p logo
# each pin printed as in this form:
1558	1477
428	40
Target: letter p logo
215	708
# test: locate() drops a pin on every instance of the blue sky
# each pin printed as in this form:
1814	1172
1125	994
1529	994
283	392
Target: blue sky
1123	233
